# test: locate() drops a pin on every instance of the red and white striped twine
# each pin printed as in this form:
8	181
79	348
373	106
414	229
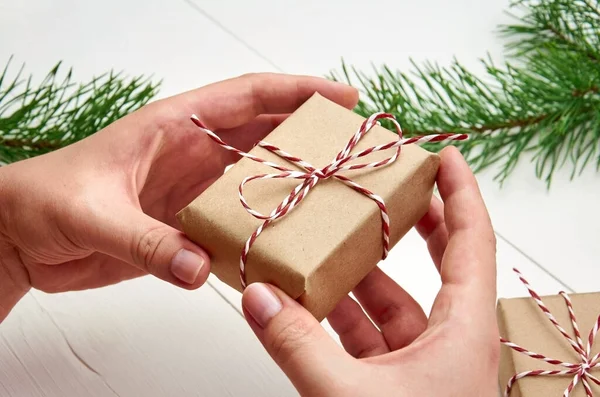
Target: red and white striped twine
580	371
311	176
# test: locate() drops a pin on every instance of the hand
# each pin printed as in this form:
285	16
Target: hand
103	210
453	353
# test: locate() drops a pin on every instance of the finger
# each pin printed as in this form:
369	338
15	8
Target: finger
234	102
469	264
399	317
294	338
357	333
245	136
432	227
126	233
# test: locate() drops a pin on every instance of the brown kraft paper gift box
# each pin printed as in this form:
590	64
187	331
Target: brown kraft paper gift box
322	249
521	321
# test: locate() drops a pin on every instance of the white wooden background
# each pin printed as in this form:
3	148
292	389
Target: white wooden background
146	338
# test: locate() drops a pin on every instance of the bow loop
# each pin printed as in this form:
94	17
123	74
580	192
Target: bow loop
345	156
285	203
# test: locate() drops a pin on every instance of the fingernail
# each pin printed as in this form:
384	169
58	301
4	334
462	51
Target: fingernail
186	265
262	303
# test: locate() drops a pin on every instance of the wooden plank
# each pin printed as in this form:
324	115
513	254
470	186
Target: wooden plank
381	31
557	228
142	337
36	359
164	39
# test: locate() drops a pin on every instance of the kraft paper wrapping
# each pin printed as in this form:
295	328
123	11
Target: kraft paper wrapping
322	249
521	321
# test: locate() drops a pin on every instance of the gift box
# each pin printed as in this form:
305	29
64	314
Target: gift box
322	249
537	359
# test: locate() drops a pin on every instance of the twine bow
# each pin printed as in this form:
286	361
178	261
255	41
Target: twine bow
580	371
311	175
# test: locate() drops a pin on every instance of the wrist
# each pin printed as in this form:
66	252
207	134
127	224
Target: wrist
14	279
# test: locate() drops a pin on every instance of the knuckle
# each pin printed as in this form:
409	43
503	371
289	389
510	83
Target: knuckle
255	85
286	342
147	247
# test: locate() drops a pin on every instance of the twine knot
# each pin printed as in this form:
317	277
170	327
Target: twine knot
322	174
580	371
311	175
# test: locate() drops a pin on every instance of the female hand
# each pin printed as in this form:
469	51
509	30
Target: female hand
453	353
103	210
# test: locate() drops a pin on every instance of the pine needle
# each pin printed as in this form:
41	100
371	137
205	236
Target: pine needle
36	119
545	100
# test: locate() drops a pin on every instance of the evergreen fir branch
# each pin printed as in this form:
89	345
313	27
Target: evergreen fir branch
570	25
39	118
544	101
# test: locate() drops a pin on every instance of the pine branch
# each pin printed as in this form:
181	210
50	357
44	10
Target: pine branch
510	124
571	25
36	119
544	101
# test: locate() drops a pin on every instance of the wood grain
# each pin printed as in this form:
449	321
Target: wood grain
139	338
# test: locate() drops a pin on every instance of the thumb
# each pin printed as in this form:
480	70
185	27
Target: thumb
144	242
294	339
